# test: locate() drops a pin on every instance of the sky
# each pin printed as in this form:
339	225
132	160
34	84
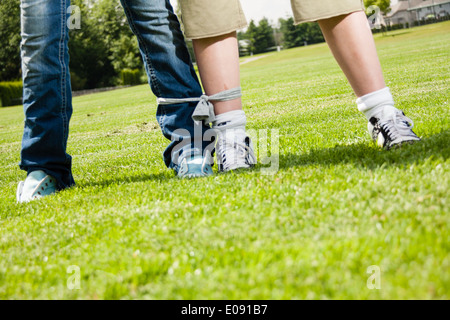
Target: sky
271	9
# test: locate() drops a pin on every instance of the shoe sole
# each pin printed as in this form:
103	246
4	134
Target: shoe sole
193	176
401	144
19	192
238	169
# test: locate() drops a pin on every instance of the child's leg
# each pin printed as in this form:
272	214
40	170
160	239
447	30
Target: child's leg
351	41
218	65
213	30
348	35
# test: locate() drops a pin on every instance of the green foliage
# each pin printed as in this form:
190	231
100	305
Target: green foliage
104	46
9	40
125	53
260	36
120	41
77	82
131	77
10	93
298	35
92	47
252	30
264	36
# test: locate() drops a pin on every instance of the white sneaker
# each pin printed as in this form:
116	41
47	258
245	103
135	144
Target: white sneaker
391	128
37	185
234	150
195	166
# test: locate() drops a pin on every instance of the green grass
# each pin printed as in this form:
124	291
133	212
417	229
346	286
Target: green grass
336	206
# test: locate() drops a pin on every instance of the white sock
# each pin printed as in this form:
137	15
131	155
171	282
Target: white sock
230	120
376	103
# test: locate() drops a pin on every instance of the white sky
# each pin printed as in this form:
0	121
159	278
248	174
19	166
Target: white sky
271	9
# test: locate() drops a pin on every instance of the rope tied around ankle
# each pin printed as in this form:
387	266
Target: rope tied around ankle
204	111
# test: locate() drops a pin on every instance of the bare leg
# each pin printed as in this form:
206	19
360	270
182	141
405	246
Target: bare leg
218	64
351	41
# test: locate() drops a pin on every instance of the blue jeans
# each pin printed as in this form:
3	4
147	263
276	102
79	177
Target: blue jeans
47	94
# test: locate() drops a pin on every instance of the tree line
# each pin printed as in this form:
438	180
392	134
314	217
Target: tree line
263	37
104	51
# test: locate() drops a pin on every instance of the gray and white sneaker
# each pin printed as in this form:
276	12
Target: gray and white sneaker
234	150
38	184
391	128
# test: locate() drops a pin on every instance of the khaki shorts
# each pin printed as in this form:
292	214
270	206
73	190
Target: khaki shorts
314	10
210	18
206	18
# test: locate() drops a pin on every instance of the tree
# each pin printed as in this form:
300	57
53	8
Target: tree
264	36
90	65
261	37
250	35
9	40
291	37
314	34
103	47
295	36
124	54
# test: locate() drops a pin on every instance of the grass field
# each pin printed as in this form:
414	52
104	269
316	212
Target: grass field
336	206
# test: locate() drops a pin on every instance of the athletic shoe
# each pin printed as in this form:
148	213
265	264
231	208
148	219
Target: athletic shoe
37	185
234	150
194	166
392	129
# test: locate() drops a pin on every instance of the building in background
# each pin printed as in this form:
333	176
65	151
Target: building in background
412	11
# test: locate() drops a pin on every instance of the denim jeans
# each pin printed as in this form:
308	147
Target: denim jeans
47	94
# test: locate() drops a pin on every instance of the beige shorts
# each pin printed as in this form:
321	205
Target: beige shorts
206	18
314	10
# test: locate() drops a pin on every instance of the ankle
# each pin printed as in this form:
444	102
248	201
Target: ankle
376	104
230	120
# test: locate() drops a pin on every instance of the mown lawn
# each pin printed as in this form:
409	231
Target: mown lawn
336	206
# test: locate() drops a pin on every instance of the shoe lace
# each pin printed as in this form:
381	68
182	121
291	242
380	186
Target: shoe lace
397	126
234	153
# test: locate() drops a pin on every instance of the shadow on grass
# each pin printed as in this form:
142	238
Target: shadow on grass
368	156
363	155
388	34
